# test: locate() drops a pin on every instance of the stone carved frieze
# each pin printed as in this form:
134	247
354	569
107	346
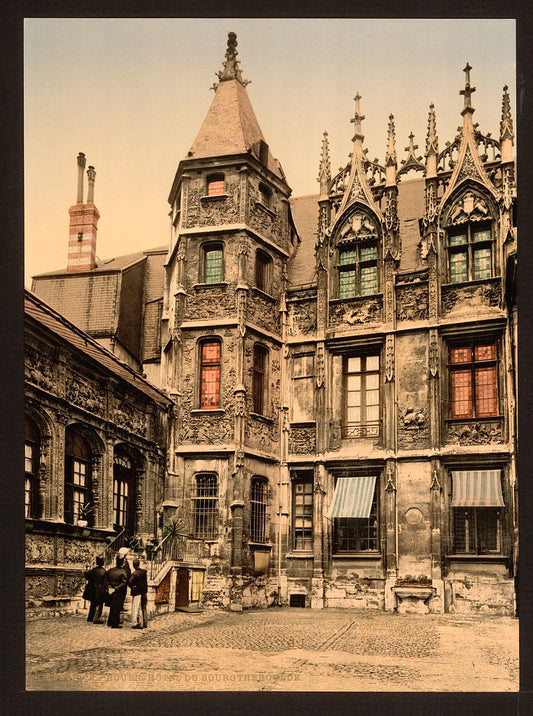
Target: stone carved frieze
38	369
82	393
209	211
471	297
476	433
206	429
412	302
413	427
262	434
356	312
263	312
78	552
302	440
39	549
301	317
129	418
210	302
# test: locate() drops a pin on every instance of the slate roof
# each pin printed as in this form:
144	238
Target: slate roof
231	127
119	263
36	309
301	268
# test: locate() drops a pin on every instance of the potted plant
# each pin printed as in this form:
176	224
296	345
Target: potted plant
84	513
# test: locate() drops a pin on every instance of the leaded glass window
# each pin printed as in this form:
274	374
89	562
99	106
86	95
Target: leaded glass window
205	506
358	271
213	263
470	253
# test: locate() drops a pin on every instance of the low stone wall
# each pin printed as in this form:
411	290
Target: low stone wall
479	594
355	593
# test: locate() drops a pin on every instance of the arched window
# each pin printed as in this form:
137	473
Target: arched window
212	263
32	440
263	264
259	379
358	270
470	252
210	374
77	477
258	509
205	506
216	185
123	494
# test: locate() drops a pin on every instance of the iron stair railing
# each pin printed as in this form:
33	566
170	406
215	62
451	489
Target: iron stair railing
176	548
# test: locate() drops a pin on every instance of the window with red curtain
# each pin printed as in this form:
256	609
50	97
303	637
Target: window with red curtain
210	375
474	380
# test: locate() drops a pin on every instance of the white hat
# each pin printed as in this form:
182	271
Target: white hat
123	551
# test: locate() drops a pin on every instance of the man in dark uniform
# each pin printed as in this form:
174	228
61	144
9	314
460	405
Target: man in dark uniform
117	584
96	591
139	589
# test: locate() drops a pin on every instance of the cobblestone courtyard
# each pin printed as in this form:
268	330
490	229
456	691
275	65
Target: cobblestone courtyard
276	650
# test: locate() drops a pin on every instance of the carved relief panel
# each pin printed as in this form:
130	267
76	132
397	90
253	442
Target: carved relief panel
126	414
213	210
301	317
356	312
39	368
412	302
85	394
263	312
302	440
210	302
469	299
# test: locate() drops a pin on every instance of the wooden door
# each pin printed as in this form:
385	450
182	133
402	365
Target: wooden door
182	588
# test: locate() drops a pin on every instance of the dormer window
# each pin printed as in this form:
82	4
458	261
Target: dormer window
216	185
470	253
358	271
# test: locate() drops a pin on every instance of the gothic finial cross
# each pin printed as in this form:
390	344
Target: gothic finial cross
468	90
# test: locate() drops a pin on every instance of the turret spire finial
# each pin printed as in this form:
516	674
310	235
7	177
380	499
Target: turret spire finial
506	128
231	70
506	124
390	158
468	90
324	171
431	138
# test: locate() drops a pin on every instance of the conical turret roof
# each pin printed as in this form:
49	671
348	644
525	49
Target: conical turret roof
230	126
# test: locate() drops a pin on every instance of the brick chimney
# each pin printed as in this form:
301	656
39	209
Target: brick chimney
83	221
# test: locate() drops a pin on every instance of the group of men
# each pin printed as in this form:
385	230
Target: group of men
110	588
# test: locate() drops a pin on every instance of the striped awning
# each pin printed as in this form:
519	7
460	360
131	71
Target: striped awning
353	497
477	488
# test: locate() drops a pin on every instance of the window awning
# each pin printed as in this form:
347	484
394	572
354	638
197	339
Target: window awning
353	497
477	488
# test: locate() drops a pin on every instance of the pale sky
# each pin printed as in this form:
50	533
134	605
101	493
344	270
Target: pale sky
132	94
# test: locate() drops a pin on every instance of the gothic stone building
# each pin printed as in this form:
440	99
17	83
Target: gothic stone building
342	366
94	457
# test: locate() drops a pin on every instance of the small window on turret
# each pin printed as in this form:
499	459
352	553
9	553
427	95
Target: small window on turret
216	185
263	263
213	263
265	195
